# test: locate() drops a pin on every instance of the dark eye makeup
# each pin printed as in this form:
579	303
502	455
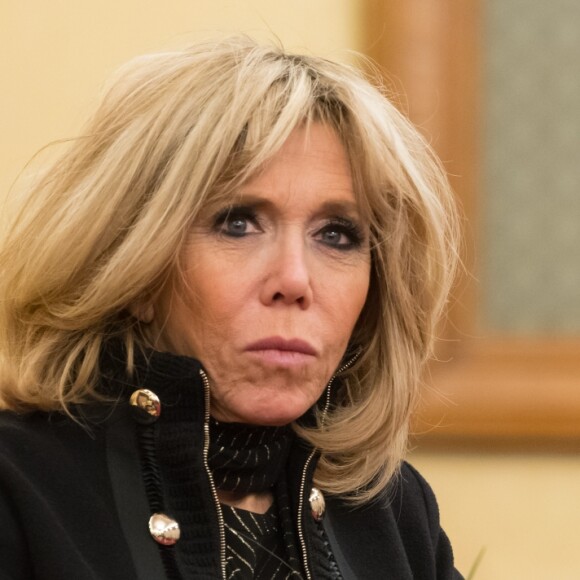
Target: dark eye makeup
341	234
338	232
236	221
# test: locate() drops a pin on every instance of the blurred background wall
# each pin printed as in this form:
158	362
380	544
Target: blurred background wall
495	87
507	480
55	55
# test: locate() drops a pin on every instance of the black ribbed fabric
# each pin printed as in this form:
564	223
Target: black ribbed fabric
322	553
172	451
247	458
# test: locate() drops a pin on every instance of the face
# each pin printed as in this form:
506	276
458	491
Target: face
274	284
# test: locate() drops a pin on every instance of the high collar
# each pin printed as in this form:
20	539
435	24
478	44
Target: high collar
174	450
152	369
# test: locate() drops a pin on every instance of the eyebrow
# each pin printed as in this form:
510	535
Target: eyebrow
331	206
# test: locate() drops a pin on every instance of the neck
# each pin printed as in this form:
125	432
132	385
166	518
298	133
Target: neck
257	502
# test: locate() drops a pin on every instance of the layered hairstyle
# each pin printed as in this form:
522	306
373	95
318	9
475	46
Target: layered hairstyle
103	228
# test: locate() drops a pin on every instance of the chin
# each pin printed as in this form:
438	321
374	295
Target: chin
274	418
273	414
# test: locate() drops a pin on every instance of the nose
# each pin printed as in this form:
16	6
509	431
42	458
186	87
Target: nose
288	276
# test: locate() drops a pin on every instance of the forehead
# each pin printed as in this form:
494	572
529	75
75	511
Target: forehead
312	162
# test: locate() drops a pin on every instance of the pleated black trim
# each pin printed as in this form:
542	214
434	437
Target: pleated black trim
152	482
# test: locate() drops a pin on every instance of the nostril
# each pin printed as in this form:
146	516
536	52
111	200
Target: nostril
282	297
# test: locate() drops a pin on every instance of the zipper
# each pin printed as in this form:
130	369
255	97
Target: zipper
309	460
216	500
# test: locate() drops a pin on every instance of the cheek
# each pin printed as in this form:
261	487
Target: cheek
210	312
360	293
349	300
358	290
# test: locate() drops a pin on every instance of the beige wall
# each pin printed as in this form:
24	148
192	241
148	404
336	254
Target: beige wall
55	55
525	510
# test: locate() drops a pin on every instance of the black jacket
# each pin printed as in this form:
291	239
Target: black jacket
76	497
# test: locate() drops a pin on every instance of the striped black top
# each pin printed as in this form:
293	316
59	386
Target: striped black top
257	547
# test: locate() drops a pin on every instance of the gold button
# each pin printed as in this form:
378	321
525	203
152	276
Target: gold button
146	406
317	504
164	530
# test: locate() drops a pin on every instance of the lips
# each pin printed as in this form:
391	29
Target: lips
276	343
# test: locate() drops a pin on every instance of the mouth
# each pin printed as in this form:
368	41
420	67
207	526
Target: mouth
284	345
282	352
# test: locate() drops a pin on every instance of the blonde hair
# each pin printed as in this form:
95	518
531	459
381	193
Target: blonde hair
104	226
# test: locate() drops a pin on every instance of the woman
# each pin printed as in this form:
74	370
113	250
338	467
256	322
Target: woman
215	306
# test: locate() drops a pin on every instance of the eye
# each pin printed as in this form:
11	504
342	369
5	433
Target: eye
237	222
341	234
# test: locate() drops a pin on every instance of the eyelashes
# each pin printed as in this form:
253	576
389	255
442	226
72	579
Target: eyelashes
341	234
337	232
237	222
